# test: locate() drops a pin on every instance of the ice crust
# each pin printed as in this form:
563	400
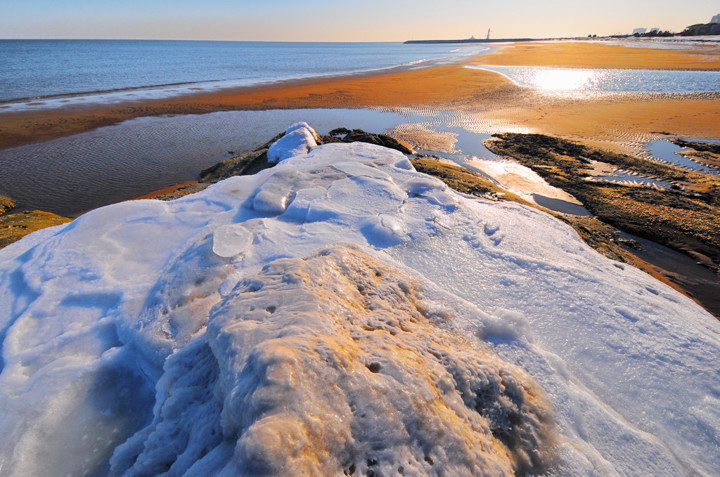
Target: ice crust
298	140
321	365
243	331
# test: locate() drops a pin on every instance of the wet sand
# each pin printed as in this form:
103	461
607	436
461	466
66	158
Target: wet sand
442	87
624	117
601	55
624	120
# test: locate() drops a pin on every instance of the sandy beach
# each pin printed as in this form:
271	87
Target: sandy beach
601	55
623	118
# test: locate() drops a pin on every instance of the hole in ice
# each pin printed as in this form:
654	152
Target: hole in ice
371	462
429	460
270	309
252	286
374	367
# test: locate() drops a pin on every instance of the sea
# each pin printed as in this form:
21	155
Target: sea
53	73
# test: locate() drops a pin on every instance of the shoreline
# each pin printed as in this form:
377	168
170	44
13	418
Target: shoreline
192	88
366	90
452	87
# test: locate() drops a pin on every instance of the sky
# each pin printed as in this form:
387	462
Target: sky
337	20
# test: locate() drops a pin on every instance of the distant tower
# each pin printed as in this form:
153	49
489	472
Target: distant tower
488	35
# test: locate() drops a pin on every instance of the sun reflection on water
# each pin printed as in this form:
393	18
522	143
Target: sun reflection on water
585	81
561	79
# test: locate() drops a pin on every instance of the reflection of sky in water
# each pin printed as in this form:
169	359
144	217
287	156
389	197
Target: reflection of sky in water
629	178
587	81
668	151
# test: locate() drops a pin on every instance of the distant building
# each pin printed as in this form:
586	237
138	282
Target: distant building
715	19
639	31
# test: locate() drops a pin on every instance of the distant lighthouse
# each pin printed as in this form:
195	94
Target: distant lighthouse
488	35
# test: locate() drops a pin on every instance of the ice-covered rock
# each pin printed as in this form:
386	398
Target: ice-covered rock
298	140
209	334
329	364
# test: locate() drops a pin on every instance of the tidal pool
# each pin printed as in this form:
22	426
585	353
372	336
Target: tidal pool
583	81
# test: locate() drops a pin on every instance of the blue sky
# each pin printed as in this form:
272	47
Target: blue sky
325	20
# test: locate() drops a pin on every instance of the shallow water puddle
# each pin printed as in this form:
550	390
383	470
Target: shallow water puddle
584	81
667	151
630	178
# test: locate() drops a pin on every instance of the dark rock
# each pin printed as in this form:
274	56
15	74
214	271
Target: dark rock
339	132
244	164
254	161
358	135
698	146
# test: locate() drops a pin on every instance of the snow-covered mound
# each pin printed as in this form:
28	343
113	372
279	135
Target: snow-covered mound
341	312
298	139
329	364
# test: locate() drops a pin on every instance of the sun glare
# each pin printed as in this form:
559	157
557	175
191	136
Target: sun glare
561	79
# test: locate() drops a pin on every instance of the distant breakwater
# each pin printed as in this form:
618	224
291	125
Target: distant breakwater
474	40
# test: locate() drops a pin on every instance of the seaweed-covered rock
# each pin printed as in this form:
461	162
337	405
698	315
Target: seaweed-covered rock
358	135
697	145
6	204
13	227
242	164
254	161
247	163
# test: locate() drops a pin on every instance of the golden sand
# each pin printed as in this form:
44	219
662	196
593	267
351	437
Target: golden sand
620	119
599	55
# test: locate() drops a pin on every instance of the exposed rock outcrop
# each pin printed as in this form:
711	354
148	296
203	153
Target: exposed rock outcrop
254	161
6	204
358	135
13	227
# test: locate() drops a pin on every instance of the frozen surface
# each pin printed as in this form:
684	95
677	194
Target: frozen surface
341	311
298	140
